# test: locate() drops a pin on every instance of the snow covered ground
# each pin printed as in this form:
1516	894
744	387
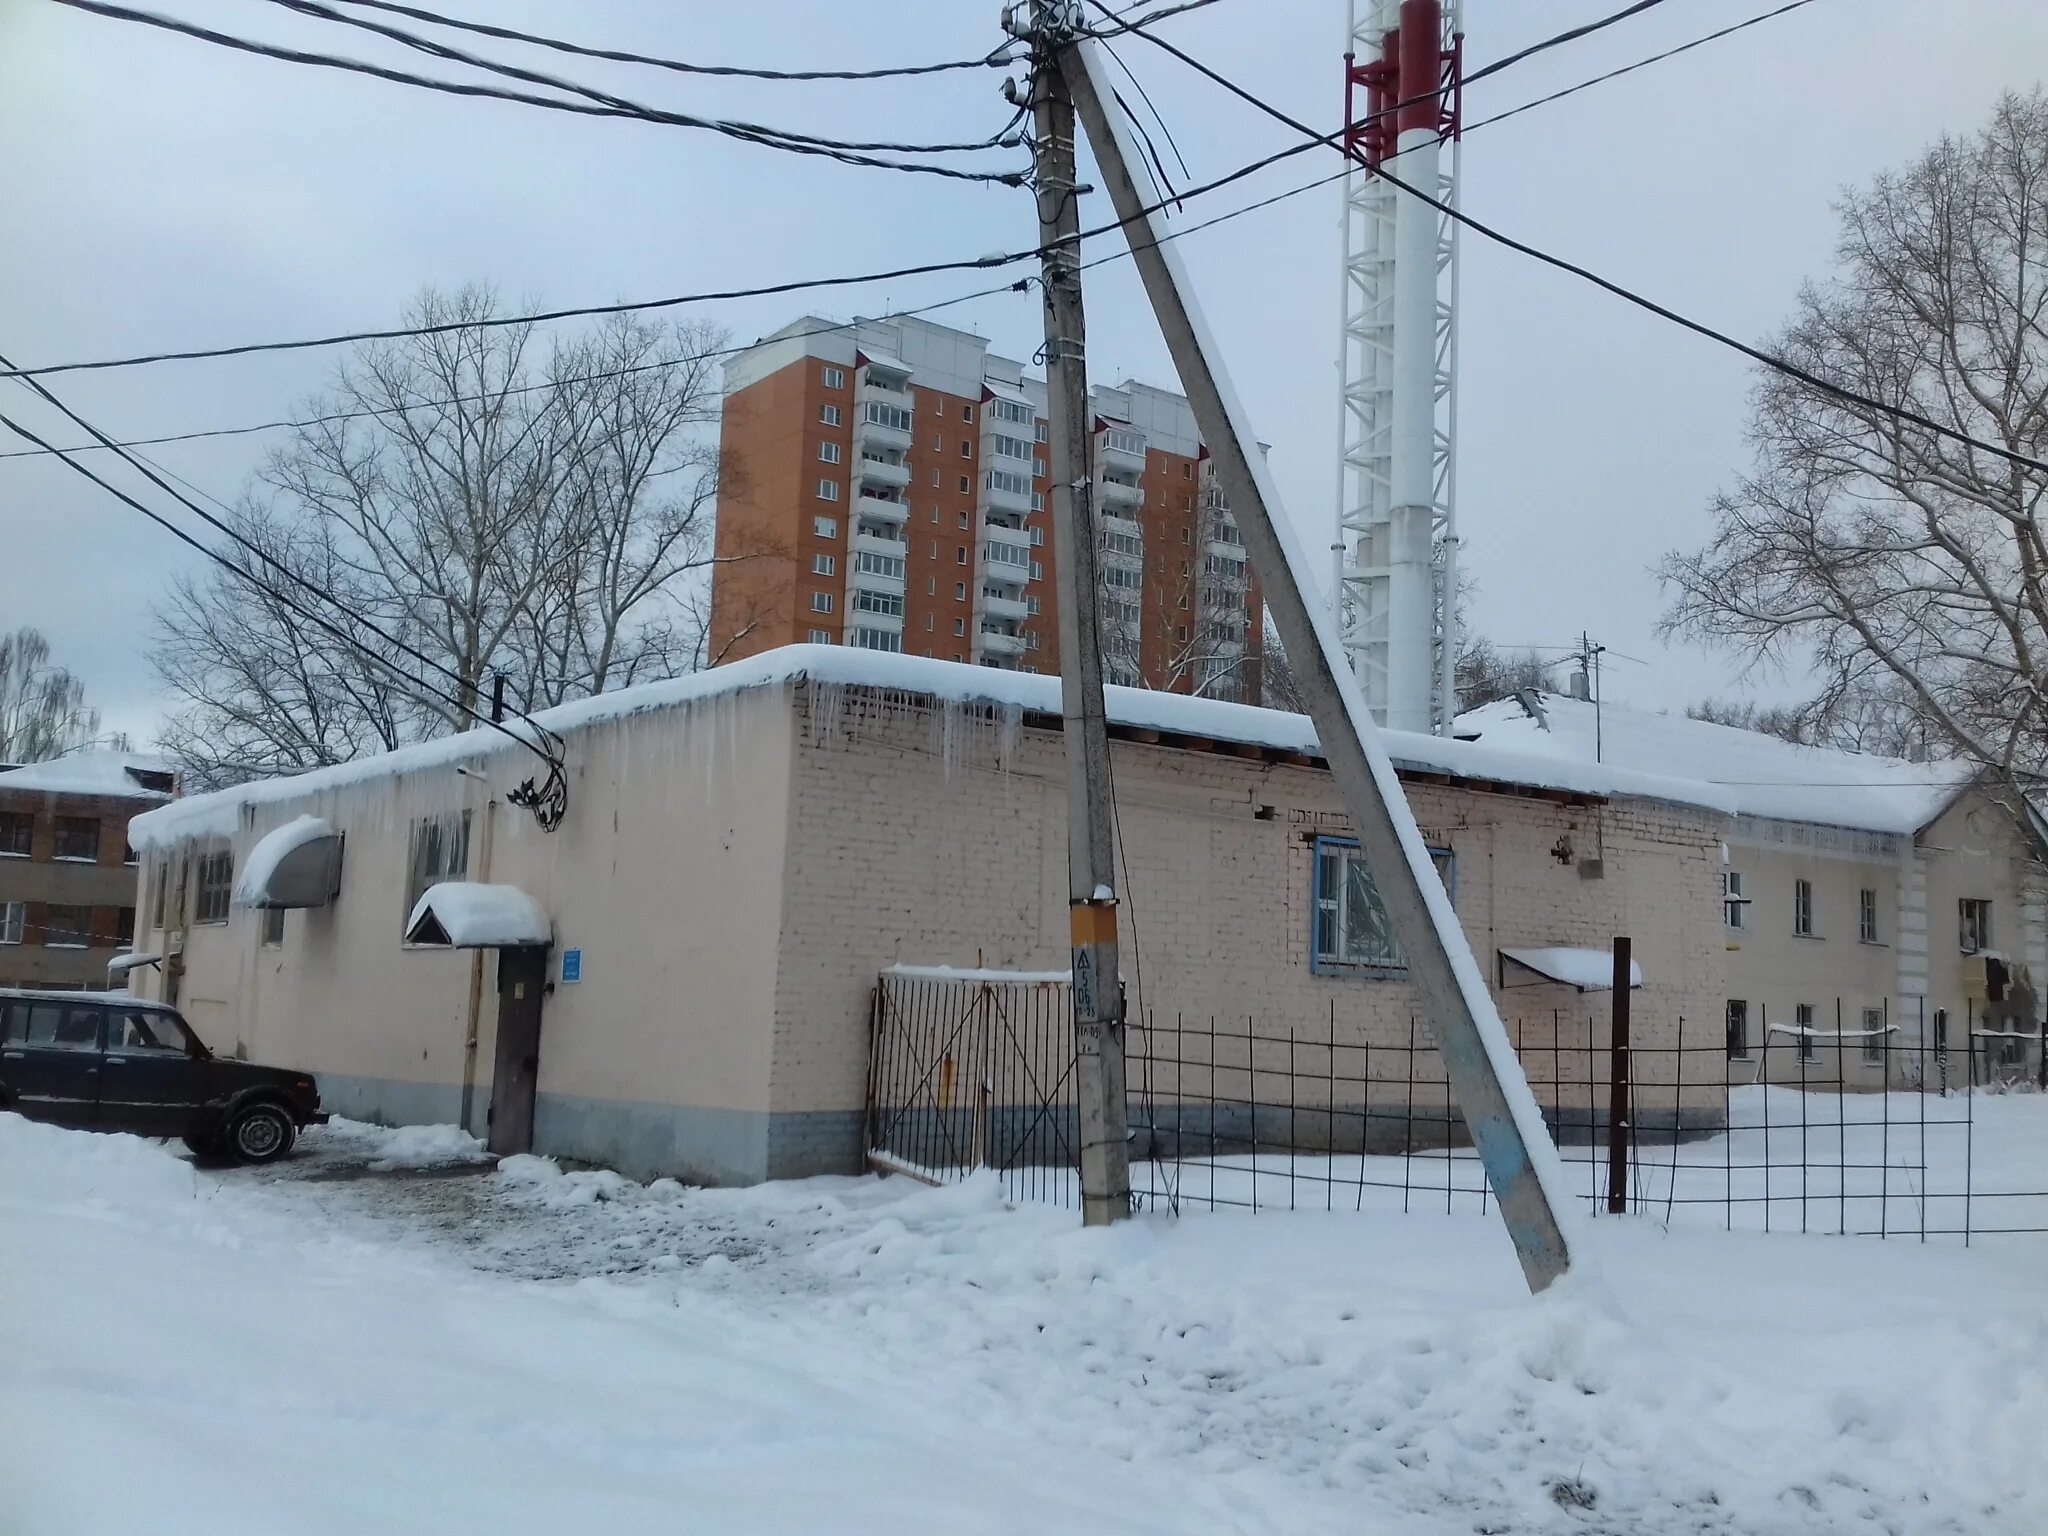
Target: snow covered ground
325	1348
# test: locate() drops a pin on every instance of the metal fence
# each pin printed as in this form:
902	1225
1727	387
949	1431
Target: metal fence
976	1072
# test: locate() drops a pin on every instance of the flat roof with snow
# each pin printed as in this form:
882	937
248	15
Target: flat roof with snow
1143	713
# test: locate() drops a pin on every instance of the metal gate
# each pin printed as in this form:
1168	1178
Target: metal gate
970	1070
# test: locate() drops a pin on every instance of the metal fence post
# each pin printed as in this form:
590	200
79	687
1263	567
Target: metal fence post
1617	1083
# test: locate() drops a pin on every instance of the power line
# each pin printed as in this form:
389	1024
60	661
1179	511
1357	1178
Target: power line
1558	40
978	263
544	802
319	12
1021	285
1615	74
1663	312
746	132
997	58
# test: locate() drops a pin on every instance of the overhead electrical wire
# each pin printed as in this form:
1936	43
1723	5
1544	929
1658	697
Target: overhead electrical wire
1002	139
998	58
1628	69
327	419
545	801
746	132
1663	312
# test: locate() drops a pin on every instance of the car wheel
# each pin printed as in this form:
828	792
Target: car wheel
203	1146
262	1133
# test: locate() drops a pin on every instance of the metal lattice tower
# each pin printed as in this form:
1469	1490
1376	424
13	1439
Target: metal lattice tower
1395	581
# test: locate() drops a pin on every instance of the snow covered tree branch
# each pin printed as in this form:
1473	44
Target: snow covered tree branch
1910	569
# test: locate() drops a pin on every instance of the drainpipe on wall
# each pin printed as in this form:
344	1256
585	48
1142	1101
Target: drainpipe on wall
476	981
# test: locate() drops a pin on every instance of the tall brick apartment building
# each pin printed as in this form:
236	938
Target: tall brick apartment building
67	874
889	491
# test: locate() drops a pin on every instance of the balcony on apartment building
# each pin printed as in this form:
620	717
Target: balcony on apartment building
879	563
1005	490
1120	450
886	379
1120	540
875	609
1005	555
998	640
881	425
1117	496
995	602
884	471
881	506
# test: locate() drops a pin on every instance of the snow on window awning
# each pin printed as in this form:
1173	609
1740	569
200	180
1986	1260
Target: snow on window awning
883	362
1590	970
468	915
121	965
295	865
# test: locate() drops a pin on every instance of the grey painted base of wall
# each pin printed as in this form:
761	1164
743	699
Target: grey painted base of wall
388	1101
642	1141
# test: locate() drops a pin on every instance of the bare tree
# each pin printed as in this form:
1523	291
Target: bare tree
547	519
43	713
1907	567
1485	672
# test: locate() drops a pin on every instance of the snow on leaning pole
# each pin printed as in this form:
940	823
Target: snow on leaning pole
1514	1145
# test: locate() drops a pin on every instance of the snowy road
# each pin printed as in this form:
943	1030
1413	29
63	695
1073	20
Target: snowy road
324	1348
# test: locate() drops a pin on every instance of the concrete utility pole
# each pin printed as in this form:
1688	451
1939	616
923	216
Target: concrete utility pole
1521	1162
1091	851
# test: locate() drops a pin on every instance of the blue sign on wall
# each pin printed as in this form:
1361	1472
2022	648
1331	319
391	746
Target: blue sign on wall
572	965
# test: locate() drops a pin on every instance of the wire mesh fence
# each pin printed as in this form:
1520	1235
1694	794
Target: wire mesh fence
1880	1132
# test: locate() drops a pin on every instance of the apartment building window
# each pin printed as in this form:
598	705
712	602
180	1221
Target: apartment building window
1038	501
931	586
824	565
828	490
1802	1020
966	521
835	378
1187	535
440	851
959	554
1014	411
1006	480
75	839
967	413
1037	571
935	486
1031	640
878	413
1866	915
959	626
929	626
821	637
828	452
13	917
935	516
17	834
1975	915
1040	434
129	857
825	527
821	602
1738	1029
938	440
891	603
67	927
216	875
966	484
1038	467
1875	1037
1802	909
273	927
1037	535
1187	471
1009	447
1735	899
877	639
1032	605
829	415
1352	929
959	591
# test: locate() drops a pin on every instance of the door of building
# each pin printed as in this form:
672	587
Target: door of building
522	977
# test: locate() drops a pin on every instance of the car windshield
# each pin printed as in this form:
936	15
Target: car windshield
138	1030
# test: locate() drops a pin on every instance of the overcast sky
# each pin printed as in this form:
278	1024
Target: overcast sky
163	194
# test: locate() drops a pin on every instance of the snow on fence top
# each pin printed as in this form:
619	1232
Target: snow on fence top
1762	775
218	814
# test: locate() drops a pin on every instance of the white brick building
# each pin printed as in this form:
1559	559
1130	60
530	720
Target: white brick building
745	850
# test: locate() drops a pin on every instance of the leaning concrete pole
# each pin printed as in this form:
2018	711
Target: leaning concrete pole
1091	851
1521	1162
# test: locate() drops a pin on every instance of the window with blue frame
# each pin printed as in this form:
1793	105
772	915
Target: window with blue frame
1352	929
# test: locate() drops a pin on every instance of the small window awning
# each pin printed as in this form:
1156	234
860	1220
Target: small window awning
1589	970
295	865
121	965
466	915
